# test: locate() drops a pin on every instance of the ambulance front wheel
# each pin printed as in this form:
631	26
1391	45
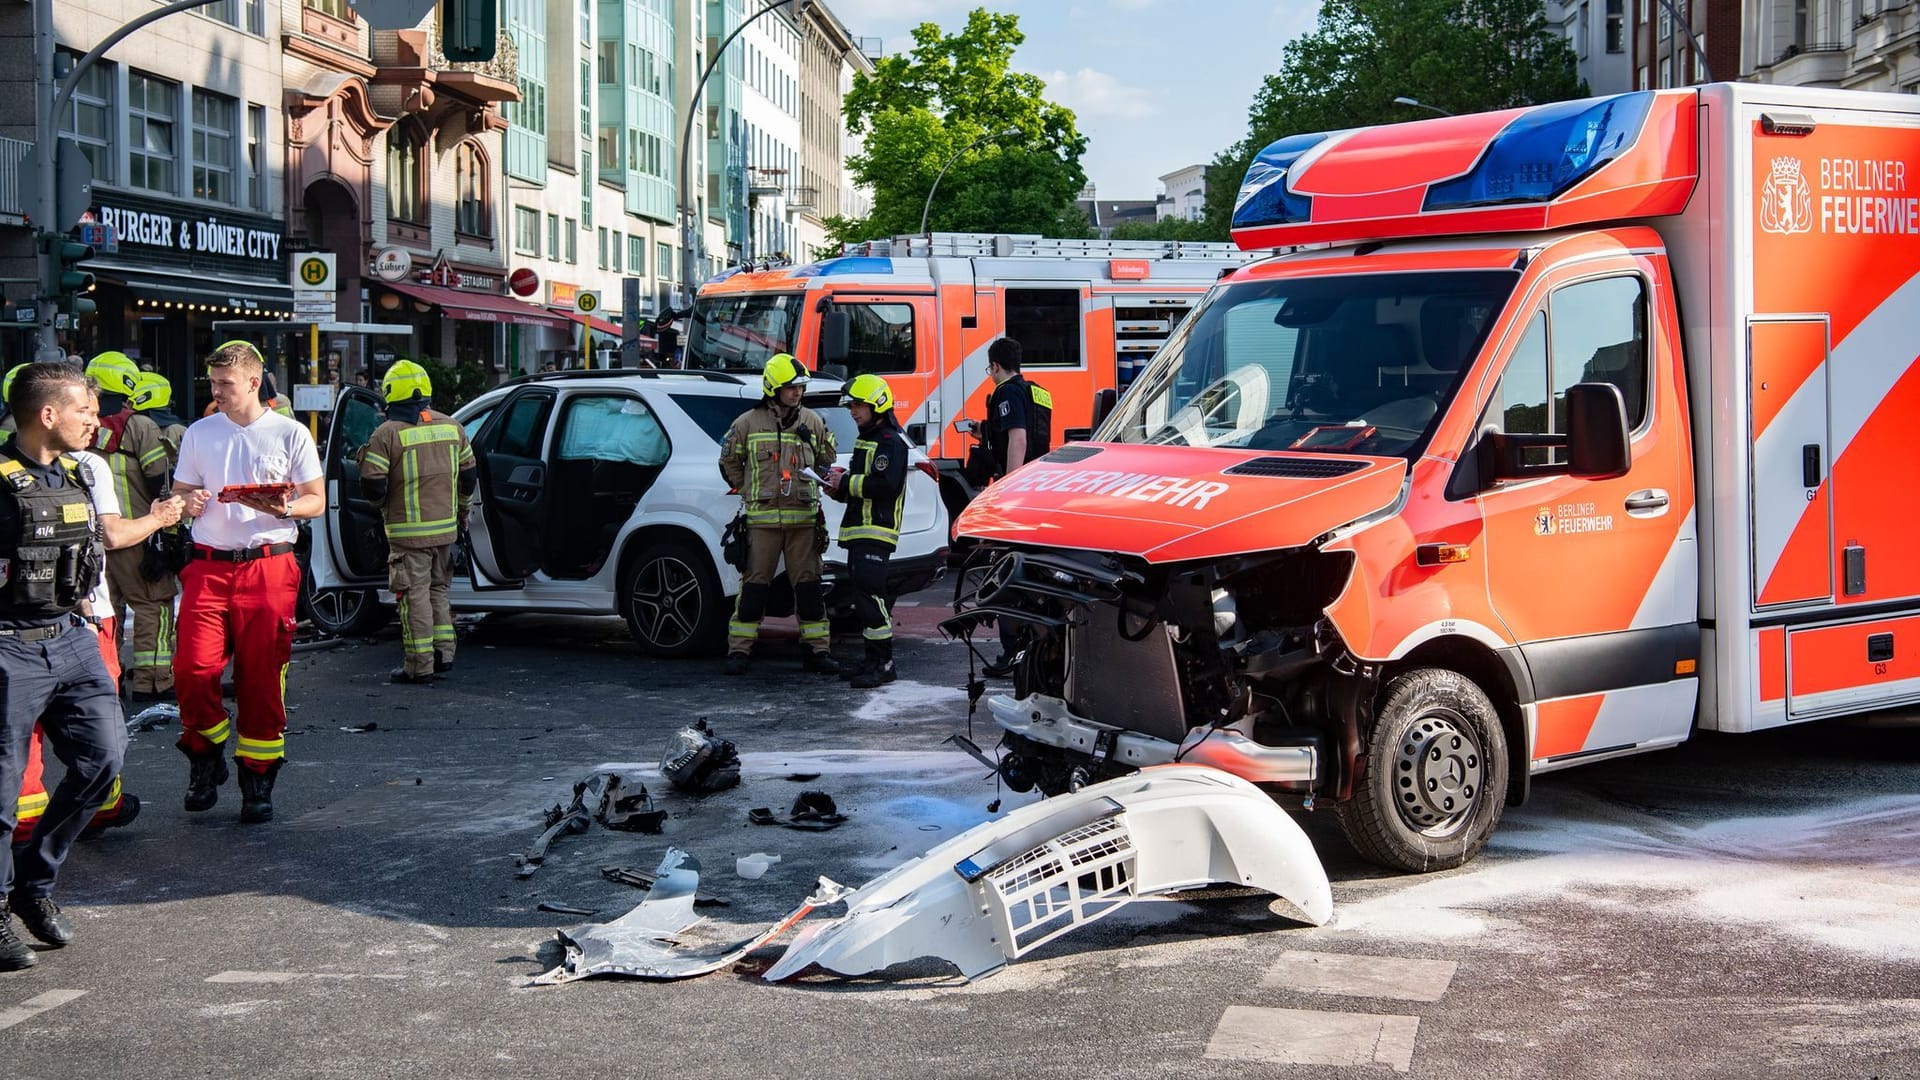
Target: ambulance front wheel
1434	777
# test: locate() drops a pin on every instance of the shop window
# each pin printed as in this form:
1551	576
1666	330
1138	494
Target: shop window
406	175
89	119
526	230
1046	323
153	111
472	215
213	142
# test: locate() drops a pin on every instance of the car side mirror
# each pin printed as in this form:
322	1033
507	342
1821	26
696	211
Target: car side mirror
836	335
1597	447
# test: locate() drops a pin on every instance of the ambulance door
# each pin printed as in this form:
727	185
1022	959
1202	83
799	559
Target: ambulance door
1594	579
1792	507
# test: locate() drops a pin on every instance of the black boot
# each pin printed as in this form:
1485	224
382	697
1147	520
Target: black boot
15	954
43	919
878	670
820	662
256	793
205	773
736	663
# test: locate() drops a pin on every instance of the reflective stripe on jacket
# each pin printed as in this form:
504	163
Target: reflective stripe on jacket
876	487
422	463
762	456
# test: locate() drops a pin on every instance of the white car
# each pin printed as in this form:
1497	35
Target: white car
599	494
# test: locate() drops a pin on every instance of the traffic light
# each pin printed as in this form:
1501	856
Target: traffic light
64	282
469	29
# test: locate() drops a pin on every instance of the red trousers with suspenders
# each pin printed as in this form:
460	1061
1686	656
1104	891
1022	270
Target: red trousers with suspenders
243	608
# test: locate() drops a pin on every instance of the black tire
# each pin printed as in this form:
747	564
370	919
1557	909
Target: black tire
343	612
1434	777
672	601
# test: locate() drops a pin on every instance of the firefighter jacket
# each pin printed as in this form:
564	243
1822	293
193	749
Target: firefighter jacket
420	473
49	542
137	456
762	456
876	485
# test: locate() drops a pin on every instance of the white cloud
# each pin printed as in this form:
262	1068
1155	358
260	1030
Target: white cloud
1095	93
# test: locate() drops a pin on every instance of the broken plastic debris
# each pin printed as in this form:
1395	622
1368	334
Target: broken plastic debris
361	729
602	797
566	909
696	760
1006	887
641	942
641	879
155	717
754	866
813	811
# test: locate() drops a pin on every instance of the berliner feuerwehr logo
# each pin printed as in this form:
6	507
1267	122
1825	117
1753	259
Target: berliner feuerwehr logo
1786	200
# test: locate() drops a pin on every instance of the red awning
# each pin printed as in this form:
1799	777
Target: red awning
480	307
600	326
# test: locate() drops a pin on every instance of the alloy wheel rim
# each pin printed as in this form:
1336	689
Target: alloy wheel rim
666	602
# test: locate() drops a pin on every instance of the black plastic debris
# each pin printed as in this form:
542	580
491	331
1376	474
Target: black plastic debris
643	879
566	909
700	762
603	797
813	811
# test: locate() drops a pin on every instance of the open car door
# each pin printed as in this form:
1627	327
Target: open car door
353	532
508	535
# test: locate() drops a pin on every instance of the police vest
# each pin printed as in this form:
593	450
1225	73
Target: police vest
53	559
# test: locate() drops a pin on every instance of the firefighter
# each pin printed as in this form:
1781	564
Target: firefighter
418	468
141	464
153	397
1019	428
762	457
874	487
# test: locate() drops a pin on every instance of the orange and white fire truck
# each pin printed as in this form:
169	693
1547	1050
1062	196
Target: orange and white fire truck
1574	428
921	311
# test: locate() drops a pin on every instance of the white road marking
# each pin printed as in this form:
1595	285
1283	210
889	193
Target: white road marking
1309	1037
36	1005
290	976
1356	975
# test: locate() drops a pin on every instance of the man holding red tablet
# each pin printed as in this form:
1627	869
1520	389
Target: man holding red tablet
246	473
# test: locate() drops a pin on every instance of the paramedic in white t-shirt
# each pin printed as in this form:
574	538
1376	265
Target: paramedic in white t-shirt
242	581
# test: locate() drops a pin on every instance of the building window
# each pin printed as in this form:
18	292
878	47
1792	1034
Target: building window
662	262
609	146
89	120
609	63
470	212
405	176
1616	26
586	189
637	256
1700	59
553	236
213	122
1799	22
613	252
526	230
1582	30
602	264
336	8
573	241
152	108
245	15
257	171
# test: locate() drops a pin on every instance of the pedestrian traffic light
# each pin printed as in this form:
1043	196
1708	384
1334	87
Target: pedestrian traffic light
469	29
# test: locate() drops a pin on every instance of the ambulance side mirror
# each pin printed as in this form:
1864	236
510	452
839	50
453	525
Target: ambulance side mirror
1103	403
1597	447
836	335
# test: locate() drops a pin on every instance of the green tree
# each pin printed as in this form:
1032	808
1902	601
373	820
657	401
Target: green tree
1457	55
1164	229
919	109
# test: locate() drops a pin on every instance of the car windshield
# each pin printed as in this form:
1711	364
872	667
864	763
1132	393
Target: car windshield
1346	364
738	332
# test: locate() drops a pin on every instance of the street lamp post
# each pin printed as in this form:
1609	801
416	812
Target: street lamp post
956	157
688	226
1421	105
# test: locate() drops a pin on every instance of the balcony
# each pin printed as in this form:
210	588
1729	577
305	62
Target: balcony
804	199
494	80
766	183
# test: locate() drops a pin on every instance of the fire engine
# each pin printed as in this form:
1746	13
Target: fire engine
1569	430
921	311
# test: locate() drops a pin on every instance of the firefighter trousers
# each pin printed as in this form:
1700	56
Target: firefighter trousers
766	546
243	610
150	668
61	685
33	788
419	578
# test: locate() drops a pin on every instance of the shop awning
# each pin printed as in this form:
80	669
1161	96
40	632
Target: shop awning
238	294
480	307
600	326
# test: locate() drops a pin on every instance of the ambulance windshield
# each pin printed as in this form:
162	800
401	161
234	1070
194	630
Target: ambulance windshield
1352	363
739	332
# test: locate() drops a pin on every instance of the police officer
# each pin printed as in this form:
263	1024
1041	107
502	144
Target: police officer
762	457
1019	429
141	464
874	487
50	658
418	468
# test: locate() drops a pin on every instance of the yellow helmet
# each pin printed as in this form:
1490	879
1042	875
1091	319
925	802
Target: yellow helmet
115	373
152	390
405	381
871	389
6	387
782	370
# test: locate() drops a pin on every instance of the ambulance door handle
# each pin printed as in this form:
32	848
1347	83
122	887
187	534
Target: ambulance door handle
1647	502
1810	470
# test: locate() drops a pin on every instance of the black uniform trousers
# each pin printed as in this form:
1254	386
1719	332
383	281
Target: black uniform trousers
61	682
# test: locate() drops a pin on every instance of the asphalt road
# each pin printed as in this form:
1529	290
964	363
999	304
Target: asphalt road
1739	907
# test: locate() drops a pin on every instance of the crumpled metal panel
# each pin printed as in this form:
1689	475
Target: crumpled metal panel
643	942
1006	887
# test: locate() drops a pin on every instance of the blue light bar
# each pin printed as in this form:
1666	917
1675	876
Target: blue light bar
851	264
1547	150
1264	198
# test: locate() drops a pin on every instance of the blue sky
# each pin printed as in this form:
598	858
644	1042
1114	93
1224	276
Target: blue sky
1155	84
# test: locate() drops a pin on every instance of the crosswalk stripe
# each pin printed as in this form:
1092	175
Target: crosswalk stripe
34	1006
1356	975
1310	1037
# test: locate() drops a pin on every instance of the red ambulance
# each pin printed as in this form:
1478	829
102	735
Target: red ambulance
1564	431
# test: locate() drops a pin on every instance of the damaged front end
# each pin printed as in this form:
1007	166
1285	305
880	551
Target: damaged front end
1124	664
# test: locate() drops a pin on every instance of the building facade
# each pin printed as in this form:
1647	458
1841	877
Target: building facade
1597	31
1183	194
1853	44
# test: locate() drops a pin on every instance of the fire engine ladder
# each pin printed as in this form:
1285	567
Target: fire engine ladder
1012	245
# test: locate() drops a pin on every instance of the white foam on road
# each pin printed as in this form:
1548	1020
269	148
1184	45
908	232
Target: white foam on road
909	700
1841	876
